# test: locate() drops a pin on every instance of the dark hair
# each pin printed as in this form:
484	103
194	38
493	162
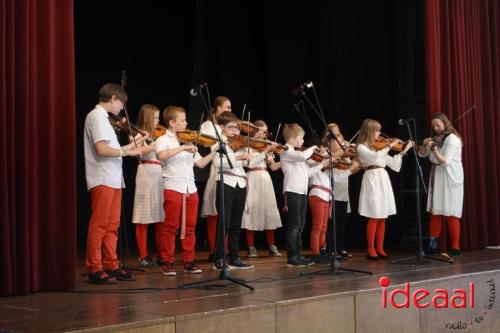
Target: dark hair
227	117
447	124
109	90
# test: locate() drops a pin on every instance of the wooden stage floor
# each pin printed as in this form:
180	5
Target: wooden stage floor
154	303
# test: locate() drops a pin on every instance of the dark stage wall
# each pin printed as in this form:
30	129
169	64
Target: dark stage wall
365	59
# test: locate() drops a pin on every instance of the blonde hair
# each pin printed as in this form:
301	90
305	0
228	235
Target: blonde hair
292	131
367	131
260	123
145	118
330	127
170	113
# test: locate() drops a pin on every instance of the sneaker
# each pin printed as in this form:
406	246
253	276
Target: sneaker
239	264
319	259
345	254
305	261
191	268
273	251
219	265
295	262
101	277
168	269
146	262
121	274
252	252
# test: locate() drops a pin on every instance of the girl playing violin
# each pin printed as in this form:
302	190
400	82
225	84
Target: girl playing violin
208	210
446	184
261	210
148	186
341	186
376	199
180	194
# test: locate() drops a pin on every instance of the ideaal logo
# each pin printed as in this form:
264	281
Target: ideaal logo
439	299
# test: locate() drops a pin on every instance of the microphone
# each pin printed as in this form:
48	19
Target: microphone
404	121
308	84
194	91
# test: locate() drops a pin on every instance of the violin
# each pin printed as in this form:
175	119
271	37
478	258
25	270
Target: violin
159	131
381	143
341	164
120	124
194	137
316	155
438	139
248	128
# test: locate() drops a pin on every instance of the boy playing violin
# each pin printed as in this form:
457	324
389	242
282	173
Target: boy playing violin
103	171
295	184
180	194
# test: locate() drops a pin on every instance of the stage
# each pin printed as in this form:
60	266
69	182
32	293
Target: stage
283	300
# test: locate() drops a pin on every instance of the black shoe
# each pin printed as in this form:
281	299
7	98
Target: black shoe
305	261
101	277
455	252
296	261
320	259
383	257
369	257
345	254
146	262
237	263
121	274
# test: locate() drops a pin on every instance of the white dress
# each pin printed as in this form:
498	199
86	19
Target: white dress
446	184
208	207
148	198
261	211
376	199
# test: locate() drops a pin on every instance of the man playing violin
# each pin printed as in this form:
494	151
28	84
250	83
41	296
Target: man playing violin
103	171
180	196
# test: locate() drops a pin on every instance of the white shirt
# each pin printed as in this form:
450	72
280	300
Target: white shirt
295	170
101	170
208	128
323	179
240	178
177	170
446	194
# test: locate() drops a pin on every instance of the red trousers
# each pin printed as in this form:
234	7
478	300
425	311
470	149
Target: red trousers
453	228
141	236
172	205
320	212
103	229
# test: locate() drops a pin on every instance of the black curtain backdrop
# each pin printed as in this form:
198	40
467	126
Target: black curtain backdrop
366	59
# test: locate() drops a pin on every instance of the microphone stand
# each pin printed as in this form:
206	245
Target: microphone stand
335	265
224	273
419	177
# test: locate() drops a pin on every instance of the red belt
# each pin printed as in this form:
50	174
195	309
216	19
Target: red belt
371	167
326	189
149	162
256	169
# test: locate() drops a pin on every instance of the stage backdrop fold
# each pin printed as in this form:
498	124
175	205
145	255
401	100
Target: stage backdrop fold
463	69
38	153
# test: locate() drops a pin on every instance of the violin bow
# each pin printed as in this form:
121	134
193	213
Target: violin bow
243	113
199	132
123	83
248	134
